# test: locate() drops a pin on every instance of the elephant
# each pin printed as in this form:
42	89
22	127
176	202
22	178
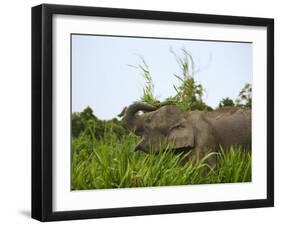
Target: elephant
195	131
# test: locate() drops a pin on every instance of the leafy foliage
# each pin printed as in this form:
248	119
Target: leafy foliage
226	102
86	122
245	97
148	90
189	92
112	163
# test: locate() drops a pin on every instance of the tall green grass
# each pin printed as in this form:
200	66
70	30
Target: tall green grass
112	163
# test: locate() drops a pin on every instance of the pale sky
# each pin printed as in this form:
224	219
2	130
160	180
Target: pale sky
103	79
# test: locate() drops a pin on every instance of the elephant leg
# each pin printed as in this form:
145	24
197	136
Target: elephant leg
192	157
198	154
212	160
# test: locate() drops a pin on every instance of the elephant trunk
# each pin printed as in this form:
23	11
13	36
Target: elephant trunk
131	120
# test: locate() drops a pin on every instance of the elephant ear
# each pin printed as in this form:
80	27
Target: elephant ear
181	135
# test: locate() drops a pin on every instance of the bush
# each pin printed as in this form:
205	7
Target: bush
86	122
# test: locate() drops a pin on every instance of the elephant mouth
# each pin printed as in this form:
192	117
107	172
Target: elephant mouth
182	150
141	147
144	147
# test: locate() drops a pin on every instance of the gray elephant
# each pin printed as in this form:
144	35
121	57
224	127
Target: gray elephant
198	131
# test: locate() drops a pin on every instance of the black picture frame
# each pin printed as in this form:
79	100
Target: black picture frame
42	106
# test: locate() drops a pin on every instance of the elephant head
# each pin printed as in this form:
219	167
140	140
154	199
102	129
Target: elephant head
166	124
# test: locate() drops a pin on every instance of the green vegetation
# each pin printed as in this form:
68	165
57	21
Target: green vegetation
112	163
245	97
88	123
103	151
226	102
189	92
148	90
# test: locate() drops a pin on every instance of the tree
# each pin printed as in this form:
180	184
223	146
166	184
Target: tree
87	123
226	102
77	124
87	114
245	97
80	120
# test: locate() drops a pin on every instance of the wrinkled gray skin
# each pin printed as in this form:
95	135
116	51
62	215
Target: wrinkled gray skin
198	131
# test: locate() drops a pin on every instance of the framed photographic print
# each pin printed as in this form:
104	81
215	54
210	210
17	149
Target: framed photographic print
145	112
